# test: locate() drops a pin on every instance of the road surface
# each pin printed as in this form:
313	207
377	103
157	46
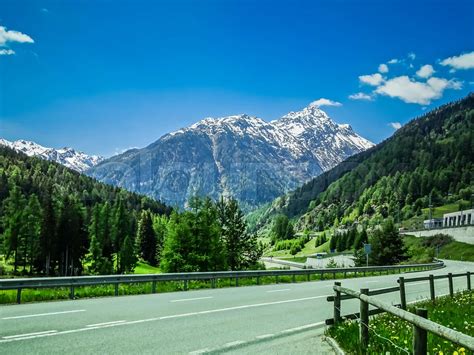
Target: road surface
280	318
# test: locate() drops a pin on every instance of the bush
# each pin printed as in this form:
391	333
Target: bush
437	240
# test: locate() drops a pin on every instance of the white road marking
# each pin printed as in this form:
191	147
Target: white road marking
229	346
106	323
28	334
280	290
234	343
191	299
168	317
44	314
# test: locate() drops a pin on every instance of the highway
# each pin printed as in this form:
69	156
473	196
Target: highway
279	318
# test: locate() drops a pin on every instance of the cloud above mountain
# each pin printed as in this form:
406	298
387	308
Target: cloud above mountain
415	87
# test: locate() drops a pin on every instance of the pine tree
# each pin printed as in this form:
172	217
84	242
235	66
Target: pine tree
31	231
12	223
387	245
128	258
146	238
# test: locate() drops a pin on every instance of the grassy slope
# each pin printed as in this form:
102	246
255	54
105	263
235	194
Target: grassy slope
143	268
308	249
452	251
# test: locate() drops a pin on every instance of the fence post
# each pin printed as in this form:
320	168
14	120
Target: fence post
468	280
18	295
364	322
420	339
432	288
337	304
403	297
450	279
71	292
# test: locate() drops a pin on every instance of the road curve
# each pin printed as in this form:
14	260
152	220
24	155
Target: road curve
240	319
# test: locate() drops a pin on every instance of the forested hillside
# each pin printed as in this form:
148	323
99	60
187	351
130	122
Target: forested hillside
55	221
430	156
49	212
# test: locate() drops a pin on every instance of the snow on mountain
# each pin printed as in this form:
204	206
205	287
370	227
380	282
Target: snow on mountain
66	156
243	156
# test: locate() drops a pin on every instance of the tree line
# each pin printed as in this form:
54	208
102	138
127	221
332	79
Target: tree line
55	221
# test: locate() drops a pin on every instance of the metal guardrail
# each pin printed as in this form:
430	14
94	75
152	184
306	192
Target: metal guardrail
78	281
421	325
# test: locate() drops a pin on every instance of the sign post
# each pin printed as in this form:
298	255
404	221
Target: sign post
367	251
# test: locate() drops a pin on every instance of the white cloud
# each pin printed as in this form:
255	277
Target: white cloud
411	91
360	96
393	61
13	36
383	68
425	71
373	79
395	125
411	55
6	52
325	102
463	61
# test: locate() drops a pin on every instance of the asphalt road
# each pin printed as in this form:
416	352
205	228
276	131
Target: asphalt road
279	318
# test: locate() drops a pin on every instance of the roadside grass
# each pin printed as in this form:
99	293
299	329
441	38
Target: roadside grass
452	251
456	313
62	293
143	268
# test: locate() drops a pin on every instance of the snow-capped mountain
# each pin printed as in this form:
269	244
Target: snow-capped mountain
242	156
66	156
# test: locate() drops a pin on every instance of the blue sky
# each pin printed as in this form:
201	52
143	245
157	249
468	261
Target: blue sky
103	76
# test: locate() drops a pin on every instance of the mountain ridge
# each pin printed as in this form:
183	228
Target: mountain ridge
66	156
242	156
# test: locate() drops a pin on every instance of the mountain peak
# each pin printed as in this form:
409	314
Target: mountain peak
66	156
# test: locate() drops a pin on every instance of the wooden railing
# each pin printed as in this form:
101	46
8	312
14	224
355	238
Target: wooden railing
421	325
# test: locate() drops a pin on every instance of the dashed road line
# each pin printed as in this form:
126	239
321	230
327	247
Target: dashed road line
29	334
43	314
191	299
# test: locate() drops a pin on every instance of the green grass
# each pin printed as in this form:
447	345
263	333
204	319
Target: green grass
456	313
143	268
452	251
296	259
309	249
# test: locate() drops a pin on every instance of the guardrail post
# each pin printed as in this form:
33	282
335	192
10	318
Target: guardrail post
364	322
276	278
213	283
236	281
322	275
403	297
18	295
71	292
294	278
337	304
432	288
258	280
153	286
468	280
116	289
450	280
185	285
333	275
308	277
420	339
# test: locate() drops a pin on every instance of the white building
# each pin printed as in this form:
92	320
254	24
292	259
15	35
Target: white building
460	218
433	223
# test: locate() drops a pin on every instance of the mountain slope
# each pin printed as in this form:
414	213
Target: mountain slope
240	156
66	156
429	155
